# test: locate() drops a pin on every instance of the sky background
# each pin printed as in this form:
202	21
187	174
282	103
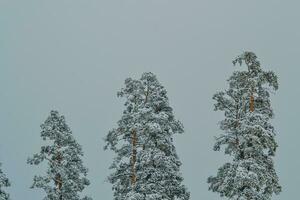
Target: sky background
73	56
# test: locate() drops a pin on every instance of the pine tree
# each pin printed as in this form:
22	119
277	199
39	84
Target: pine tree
4	182
249	135
146	166
66	176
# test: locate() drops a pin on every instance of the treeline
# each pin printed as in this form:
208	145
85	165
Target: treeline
146	165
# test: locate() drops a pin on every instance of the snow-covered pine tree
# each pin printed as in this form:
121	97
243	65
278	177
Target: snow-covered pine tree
249	135
4	182
146	166
66	176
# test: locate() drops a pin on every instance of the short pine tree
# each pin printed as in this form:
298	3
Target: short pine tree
4	182
249	135
146	166
66	176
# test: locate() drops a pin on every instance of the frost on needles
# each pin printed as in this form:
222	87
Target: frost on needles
4	182
65	177
248	134
146	166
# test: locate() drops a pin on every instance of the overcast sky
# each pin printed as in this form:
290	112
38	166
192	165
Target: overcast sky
73	56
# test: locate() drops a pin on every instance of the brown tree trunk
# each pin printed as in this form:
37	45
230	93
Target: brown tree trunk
58	179
133	157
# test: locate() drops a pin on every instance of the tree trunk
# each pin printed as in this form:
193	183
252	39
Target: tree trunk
58	179
133	157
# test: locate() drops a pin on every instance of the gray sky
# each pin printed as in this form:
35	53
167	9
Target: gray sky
74	56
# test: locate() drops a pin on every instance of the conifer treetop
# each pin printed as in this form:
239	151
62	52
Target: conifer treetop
249	136
65	177
143	144
255	71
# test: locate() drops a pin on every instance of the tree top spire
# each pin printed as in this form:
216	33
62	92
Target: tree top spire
250	59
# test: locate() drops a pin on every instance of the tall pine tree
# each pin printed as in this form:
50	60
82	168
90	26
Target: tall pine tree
146	166
4	182
66	176
249	135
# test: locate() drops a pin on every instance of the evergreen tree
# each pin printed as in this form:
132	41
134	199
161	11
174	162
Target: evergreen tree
4	182
66	176
146	166
249	135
